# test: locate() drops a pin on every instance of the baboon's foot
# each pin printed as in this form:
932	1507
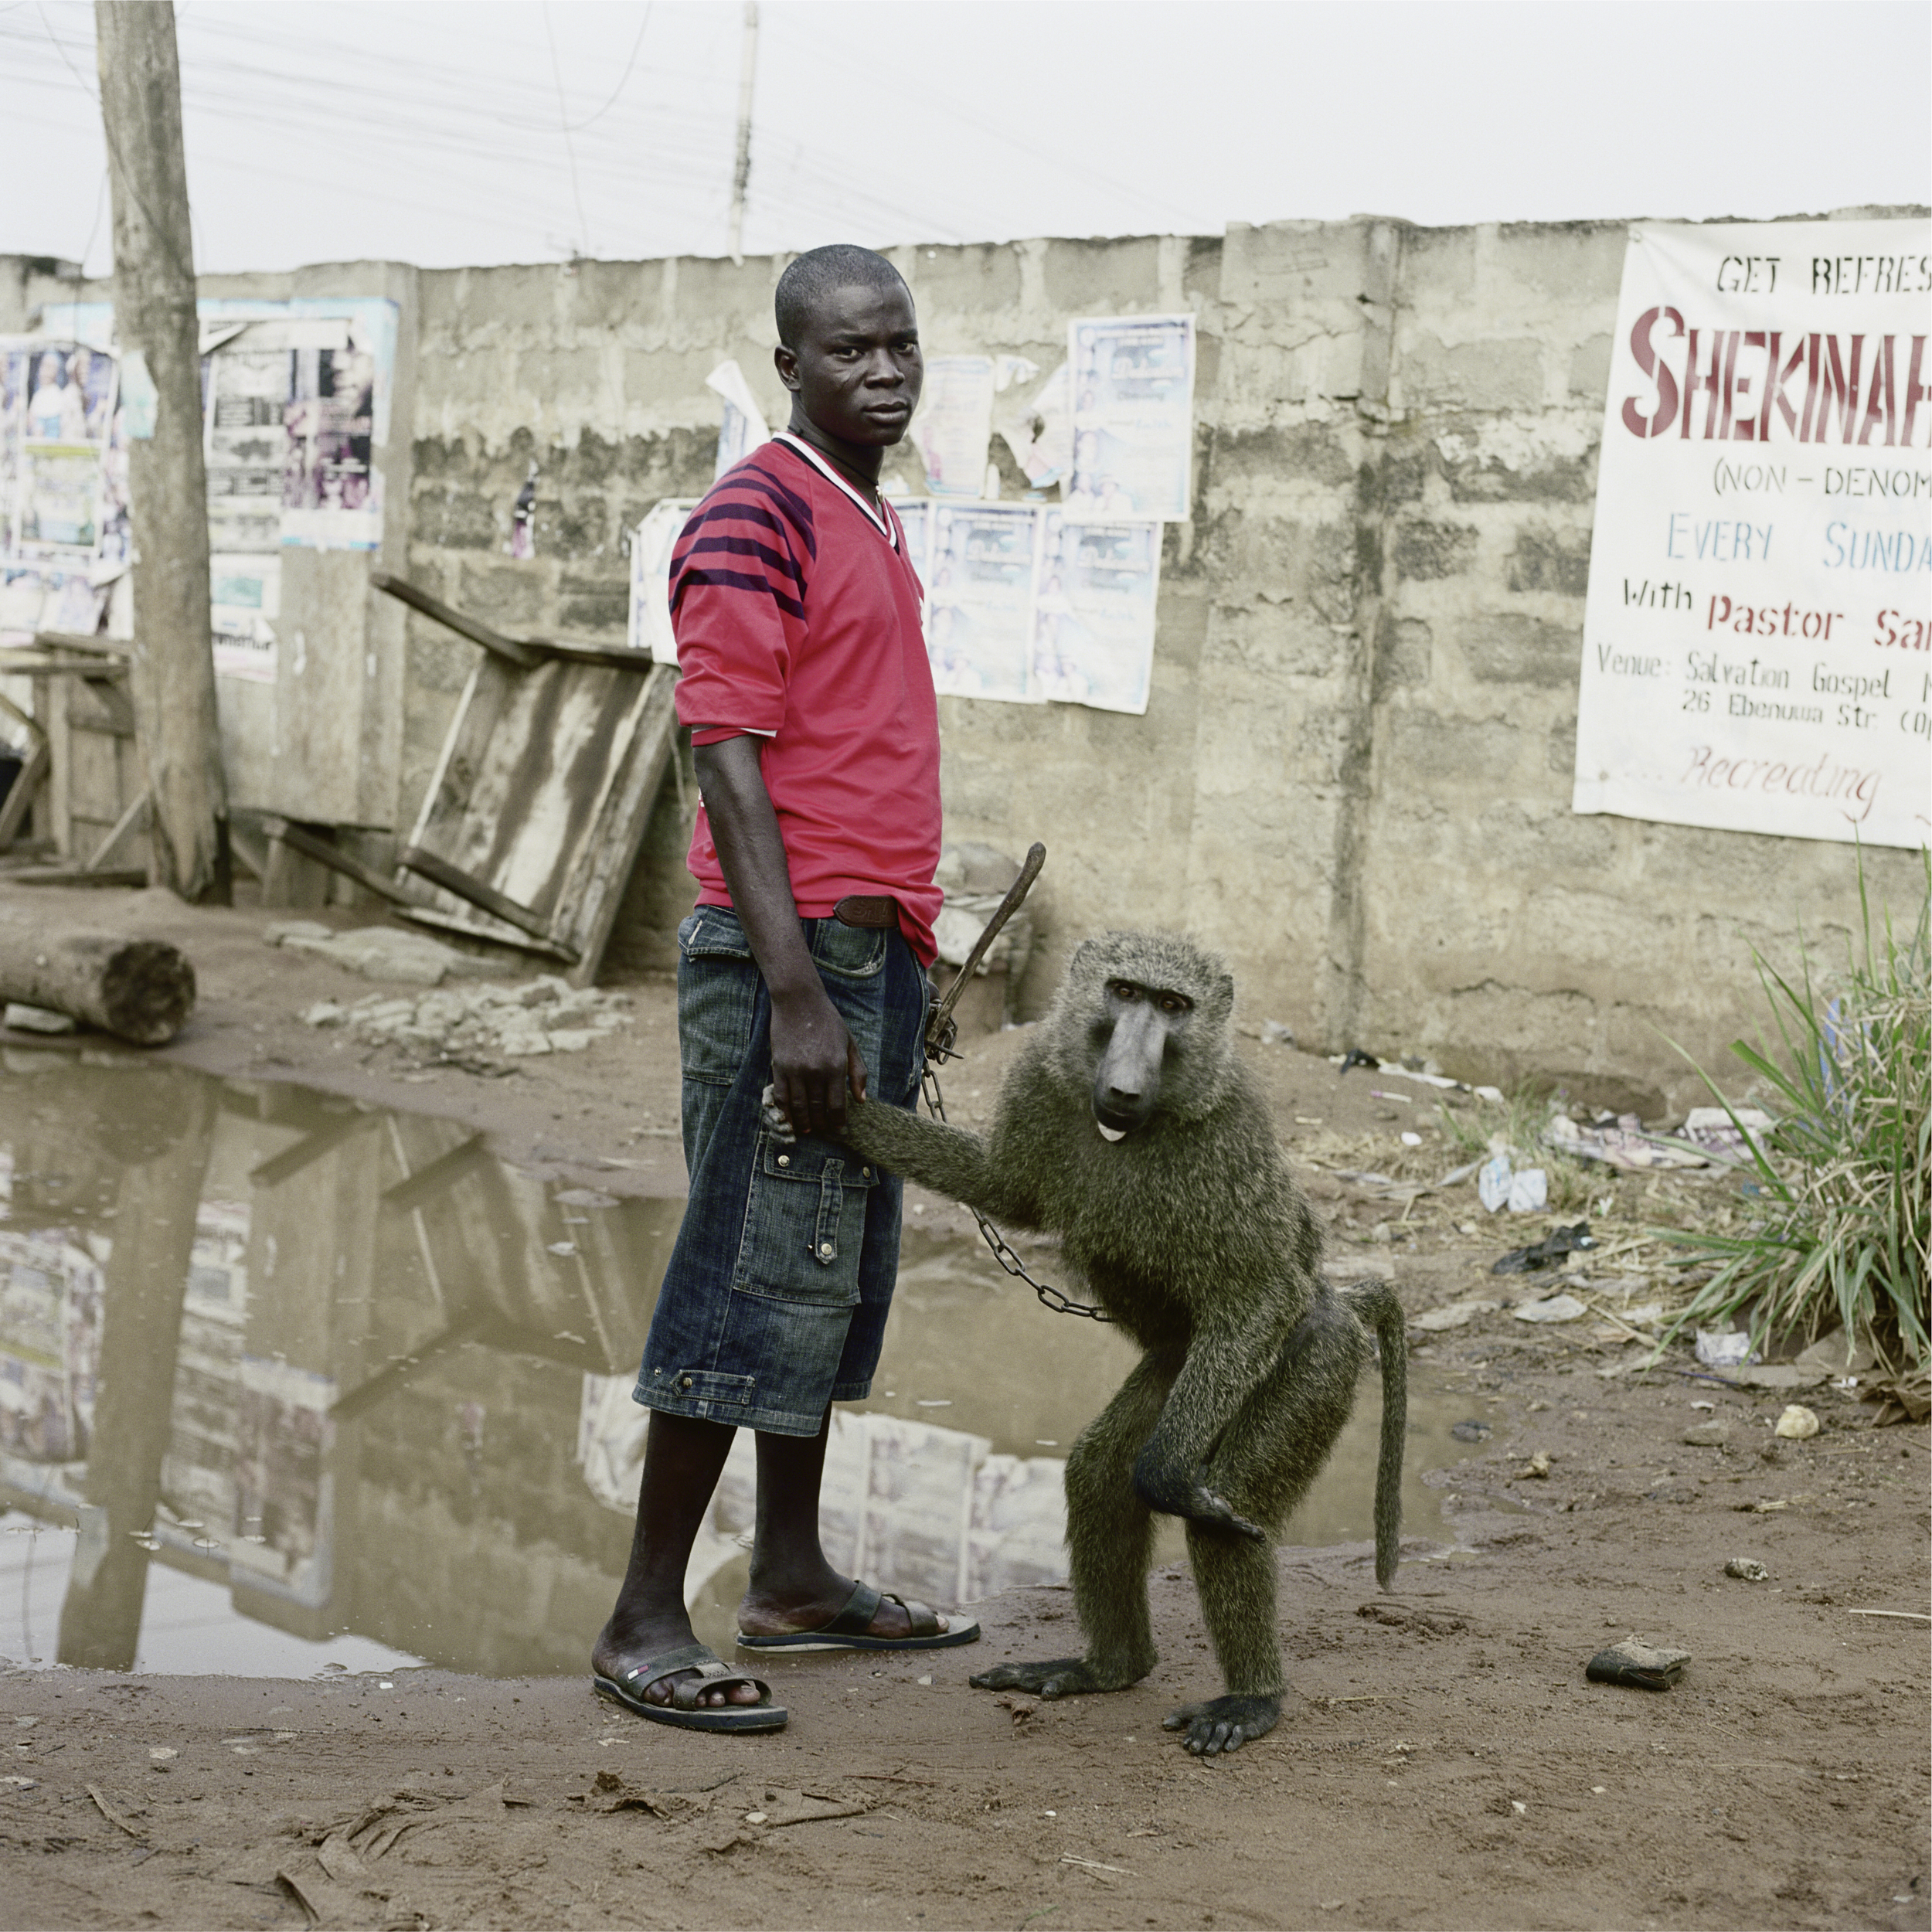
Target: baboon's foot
1223	1724
1055	1677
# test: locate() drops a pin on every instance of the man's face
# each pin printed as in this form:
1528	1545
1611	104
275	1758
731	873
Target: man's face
856	370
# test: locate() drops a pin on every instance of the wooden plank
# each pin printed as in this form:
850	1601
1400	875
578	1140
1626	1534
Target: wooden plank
136	815
305	842
78	875
512	650
439	872
94	646
526	653
101	707
20	657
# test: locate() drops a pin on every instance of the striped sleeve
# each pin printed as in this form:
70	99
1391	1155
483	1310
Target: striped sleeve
738	577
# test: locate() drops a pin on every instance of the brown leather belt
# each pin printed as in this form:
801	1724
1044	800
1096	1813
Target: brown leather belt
858	909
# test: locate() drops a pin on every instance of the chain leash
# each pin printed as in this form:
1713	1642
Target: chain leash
1050	1297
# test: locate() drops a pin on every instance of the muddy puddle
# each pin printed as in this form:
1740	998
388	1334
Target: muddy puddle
289	1387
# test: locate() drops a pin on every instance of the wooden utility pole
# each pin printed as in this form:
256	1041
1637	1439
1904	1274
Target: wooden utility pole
741	170
174	678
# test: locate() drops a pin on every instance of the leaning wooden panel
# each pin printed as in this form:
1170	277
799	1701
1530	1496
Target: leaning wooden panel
541	801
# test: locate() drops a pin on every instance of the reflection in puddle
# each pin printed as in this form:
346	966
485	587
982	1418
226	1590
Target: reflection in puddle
286	1384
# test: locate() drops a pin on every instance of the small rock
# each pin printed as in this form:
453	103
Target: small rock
1707	1435
1797	1424
1747	1570
1471	1431
1556	1307
36	1019
279	932
528	1041
1538	1464
1454	1314
570	1040
325	1012
1727	1351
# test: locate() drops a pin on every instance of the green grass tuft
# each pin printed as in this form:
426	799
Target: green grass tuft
1840	1231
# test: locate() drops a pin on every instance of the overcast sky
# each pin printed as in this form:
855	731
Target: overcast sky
460	131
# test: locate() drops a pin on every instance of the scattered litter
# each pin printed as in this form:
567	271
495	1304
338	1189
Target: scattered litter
1556	1307
11	1783
1730	1351
1092	1865
1797	1424
1519	1807
1355	1056
1538	1466
1454	1314
1762	1508
1907	1616
1644	1665
1703	1405
1376	1094
1488	1093
1728	1133
1551	1249
565	1248
1747	1570
480	1027
1624	1145
1901	1398
36	1019
1275	1032
1521	1191
1411	1139
1472	1431
1706	1435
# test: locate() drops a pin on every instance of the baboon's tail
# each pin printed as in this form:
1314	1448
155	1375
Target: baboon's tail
1375	1303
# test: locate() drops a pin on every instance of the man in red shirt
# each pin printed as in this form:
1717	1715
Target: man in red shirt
815	732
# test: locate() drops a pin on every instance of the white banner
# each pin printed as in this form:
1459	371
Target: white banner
1756	637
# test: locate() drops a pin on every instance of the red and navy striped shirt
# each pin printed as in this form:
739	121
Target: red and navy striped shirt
796	614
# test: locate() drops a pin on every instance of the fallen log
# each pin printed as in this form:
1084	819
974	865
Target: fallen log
142	990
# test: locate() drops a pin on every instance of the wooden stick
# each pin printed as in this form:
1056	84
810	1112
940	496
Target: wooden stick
123	825
20	796
453	878
526	653
1905	1616
335	858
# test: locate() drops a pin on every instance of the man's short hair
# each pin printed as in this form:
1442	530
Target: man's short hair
818	271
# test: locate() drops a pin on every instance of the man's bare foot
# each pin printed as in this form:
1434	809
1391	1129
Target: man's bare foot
616	1653
772	1612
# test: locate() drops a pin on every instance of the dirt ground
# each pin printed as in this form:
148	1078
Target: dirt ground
1442	1760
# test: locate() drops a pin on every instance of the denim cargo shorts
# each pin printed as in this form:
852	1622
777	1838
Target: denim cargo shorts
774	1303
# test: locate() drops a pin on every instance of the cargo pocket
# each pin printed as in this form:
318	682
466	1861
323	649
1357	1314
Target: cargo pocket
804	1224
717	995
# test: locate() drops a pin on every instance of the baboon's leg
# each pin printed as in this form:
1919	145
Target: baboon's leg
1110	1535
1270	1455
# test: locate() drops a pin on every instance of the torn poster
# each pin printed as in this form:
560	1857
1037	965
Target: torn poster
1039	430
915	514
979	598
245	592
954	423
1094	612
743	428
1757	634
1133	409
651	543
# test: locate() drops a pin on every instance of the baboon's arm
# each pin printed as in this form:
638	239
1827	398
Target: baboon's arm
1227	1362
947	1159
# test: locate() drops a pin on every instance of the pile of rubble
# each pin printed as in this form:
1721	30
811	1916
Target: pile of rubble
480	1027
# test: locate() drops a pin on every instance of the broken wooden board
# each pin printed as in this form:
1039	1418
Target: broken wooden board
539	804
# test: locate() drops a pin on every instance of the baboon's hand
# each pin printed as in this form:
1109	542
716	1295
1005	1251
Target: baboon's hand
1176	1491
776	1123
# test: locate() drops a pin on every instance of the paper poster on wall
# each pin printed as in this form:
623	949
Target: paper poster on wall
652	544
915	514
245	598
979	598
1757	632
743	428
954	423
1094	612
1039	430
1132	386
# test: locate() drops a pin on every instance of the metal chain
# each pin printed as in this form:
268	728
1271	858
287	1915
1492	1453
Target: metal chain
1050	1296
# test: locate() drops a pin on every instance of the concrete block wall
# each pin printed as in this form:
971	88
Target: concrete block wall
1354	774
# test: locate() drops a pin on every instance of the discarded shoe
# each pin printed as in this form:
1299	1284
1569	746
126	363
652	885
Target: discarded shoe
1638	1663
1542	1254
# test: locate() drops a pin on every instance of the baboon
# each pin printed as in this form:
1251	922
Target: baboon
1128	1127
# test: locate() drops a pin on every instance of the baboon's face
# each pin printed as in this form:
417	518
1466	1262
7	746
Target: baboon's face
1138	1028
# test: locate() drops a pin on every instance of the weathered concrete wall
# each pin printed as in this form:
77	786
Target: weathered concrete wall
1354	769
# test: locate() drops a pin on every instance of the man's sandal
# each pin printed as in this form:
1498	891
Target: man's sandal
850	1629
710	1674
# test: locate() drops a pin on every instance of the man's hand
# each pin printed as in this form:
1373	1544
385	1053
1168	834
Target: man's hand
813	1058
